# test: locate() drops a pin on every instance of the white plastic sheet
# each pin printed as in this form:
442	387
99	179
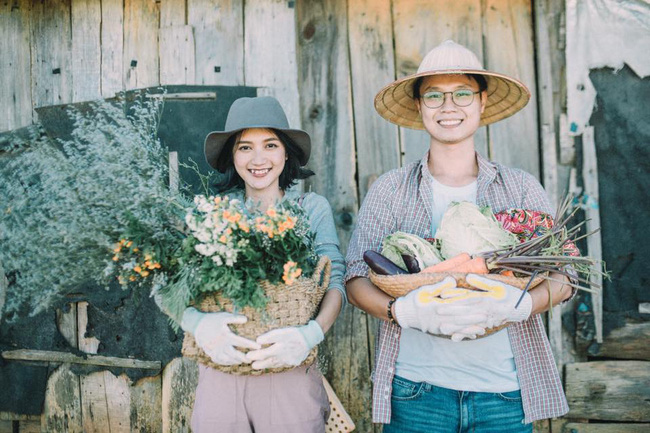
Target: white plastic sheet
602	33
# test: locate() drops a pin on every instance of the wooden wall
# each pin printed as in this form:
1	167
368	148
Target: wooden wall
323	59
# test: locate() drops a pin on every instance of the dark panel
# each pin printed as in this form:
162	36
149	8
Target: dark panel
187	120
622	135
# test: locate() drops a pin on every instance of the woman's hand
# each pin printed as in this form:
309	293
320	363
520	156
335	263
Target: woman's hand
214	337
289	346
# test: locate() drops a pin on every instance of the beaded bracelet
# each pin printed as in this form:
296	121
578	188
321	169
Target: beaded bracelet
389	313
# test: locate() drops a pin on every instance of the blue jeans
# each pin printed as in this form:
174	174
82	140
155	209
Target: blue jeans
422	407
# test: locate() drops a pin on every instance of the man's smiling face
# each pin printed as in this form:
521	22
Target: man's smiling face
451	124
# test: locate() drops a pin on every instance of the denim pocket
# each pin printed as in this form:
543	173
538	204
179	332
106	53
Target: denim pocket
514	396
406	390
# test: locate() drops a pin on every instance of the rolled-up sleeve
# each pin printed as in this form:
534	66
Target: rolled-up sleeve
375	221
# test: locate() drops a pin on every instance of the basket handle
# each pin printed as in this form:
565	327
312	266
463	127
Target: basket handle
324	265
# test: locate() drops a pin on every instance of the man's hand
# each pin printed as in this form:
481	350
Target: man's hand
425	309
212	334
289	347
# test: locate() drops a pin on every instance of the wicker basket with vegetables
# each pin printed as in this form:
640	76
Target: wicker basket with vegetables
518	247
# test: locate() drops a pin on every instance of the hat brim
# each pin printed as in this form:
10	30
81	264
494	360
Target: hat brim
505	97
216	140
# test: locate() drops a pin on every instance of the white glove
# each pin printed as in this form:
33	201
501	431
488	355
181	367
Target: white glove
423	309
288	346
212	334
497	300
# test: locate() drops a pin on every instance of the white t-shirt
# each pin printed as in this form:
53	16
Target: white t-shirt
483	365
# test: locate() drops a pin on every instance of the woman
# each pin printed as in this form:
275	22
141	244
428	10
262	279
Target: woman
261	158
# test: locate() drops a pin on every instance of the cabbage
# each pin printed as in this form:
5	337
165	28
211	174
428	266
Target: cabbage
466	228
400	243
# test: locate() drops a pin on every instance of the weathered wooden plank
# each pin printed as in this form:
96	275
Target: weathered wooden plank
146	405
179	380
419	26
15	68
575	427
29	427
508	33
52	356
549	153
62	407
86	50
86	344
112	46
270	57
592	215
177	62
140	59
219	40
541	426
105	401
609	390
66	322
325	107
50	50
372	68
10	416
627	342
173	13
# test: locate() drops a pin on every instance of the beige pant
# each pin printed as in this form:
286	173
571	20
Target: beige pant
293	401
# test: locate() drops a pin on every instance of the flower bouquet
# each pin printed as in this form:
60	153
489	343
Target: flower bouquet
260	264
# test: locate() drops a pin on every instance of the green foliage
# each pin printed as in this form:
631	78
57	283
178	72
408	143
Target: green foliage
64	205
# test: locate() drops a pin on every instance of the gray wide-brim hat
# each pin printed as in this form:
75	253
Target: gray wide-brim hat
505	95
246	113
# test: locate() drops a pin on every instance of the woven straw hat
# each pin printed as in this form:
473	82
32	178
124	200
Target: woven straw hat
506	95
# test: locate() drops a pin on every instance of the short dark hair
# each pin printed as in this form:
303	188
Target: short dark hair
291	173
480	80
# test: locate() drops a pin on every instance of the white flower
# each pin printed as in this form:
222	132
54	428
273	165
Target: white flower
217	260
202	235
205	249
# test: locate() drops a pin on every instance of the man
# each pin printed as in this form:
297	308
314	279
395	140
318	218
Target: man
423	383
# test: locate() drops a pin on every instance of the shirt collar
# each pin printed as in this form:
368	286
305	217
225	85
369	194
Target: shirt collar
488	171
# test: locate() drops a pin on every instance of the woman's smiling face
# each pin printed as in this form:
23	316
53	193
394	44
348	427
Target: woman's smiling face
449	123
259	158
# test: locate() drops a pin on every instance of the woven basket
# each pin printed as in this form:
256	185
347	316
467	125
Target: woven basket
400	285
292	305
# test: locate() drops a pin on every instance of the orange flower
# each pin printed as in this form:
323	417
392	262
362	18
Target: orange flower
144	273
132	278
271	212
116	258
137	269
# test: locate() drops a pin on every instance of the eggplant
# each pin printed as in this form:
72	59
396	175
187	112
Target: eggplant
411	263
382	265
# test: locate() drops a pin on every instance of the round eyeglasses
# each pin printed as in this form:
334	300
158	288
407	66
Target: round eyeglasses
461	97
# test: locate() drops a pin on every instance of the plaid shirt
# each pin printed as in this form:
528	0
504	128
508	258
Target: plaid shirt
400	201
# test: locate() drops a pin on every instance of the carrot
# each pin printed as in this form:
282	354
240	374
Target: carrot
448	264
507	273
474	266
